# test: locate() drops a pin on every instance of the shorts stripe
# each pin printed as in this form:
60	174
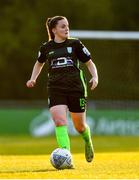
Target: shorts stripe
84	84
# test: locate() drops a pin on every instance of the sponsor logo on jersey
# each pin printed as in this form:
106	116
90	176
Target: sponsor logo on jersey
61	62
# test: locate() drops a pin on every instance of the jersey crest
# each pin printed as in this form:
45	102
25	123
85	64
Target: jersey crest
69	49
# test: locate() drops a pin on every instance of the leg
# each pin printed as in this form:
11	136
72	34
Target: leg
59	116
79	121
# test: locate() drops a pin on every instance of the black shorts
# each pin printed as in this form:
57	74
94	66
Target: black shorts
74	103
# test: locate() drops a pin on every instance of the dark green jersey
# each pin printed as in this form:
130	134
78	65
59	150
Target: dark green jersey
64	74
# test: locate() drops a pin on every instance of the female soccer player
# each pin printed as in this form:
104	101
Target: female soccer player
66	83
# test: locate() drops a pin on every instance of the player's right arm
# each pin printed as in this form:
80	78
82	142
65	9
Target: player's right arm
35	73
37	67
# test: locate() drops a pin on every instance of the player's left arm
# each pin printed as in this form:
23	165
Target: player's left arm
93	71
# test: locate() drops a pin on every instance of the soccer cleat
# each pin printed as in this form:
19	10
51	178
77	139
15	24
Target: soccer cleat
89	151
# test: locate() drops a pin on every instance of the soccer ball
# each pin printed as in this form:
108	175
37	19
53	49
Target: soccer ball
61	158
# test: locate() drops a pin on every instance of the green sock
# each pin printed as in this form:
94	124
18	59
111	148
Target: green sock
62	137
86	134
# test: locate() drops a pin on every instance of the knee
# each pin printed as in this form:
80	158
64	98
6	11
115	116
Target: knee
80	128
60	121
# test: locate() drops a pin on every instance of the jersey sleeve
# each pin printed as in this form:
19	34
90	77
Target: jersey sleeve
82	52
42	54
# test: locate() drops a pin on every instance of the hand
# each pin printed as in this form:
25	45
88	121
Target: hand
30	83
94	83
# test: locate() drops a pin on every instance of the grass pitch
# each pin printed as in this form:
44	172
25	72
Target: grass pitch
27	157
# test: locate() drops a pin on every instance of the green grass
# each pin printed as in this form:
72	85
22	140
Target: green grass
21	145
28	157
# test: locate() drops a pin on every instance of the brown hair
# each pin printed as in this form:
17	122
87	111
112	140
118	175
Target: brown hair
51	23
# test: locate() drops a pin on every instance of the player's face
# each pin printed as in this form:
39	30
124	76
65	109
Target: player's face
62	29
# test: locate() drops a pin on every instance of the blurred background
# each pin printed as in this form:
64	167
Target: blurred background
113	107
